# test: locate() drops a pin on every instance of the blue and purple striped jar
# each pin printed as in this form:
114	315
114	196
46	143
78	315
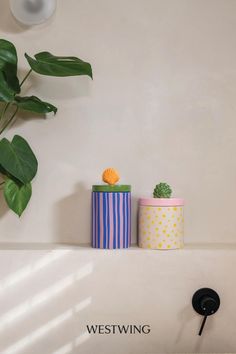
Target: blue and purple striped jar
111	216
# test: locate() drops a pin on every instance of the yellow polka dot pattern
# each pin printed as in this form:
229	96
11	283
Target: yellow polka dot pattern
161	227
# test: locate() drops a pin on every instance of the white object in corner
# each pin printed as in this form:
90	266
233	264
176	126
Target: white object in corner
32	12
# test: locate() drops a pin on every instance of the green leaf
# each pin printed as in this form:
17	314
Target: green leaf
6	93
3	171
7	52
47	64
18	159
8	68
34	104
17	195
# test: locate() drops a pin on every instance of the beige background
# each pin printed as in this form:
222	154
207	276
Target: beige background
161	108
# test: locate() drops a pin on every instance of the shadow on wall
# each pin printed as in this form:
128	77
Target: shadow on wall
3	205
134	220
7	22
186	315
49	316
73	217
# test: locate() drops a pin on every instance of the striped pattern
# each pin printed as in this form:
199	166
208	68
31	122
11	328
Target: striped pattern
111	221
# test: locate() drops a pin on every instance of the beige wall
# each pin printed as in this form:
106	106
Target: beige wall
161	108
49	296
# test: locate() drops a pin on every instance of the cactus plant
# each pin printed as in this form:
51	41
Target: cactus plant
162	190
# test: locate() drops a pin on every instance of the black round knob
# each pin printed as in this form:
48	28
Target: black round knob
209	305
206	301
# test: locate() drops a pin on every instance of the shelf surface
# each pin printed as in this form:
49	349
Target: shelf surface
82	247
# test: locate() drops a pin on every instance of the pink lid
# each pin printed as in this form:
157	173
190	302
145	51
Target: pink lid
161	201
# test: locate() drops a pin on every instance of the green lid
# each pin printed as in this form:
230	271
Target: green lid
111	188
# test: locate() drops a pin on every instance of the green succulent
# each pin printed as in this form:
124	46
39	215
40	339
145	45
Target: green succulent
162	190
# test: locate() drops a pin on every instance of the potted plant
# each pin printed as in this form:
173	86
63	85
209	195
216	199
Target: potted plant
161	220
18	164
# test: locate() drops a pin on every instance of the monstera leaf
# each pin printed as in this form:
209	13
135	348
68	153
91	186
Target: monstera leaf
34	104
17	195
9	83
18	159
18	164
6	93
47	64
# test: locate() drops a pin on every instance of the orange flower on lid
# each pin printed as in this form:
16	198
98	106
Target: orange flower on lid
110	176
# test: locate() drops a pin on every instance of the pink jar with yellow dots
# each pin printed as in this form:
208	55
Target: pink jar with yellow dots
161	223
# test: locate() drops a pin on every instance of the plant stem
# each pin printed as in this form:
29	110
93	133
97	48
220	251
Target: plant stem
8	105
4	110
26	77
9	121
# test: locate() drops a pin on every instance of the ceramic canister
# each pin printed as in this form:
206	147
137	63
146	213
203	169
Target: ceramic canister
161	223
111	216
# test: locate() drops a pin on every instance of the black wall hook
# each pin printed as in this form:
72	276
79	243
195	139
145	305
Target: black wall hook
206	302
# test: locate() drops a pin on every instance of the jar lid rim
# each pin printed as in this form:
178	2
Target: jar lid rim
161	201
110	188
